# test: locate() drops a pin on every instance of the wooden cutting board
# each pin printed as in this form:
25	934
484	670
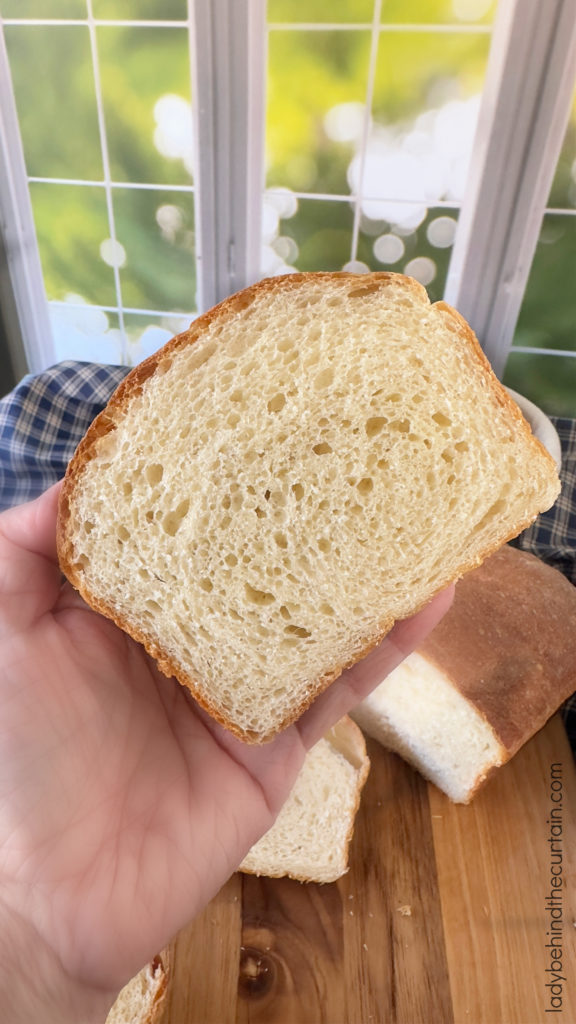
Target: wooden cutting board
443	918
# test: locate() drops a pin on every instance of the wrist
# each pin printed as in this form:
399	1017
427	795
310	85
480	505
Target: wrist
34	985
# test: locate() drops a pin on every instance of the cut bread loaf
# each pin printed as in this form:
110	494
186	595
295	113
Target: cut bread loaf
312	460
142	1000
488	677
310	838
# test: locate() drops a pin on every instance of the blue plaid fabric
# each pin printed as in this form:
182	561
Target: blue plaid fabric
45	417
42	421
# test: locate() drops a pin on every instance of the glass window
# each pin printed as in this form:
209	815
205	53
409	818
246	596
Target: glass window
145	75
379	123
140	10
548	381
155	255
115	223
43	8
56	100
547	317
72	225
316	94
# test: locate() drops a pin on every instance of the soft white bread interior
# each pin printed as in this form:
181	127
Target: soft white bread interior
310	838
142	1000
311	461
486	679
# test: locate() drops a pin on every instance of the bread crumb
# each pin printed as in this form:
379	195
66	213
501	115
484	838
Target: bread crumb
351	897
364	946
405	910
351	912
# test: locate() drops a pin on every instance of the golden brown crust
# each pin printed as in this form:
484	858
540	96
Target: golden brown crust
132	386
508	644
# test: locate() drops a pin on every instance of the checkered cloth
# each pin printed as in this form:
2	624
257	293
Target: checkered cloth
43	419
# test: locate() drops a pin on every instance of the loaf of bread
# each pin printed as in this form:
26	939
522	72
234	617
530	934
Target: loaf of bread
142	1000
310	838
265	496
487	678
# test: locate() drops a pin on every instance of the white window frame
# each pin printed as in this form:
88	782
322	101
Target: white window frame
521	128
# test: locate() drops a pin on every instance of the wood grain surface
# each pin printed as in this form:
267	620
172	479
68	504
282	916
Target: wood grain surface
443	918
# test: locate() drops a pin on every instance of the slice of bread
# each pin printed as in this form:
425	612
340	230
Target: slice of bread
491	674
312	460
310	838
142	1000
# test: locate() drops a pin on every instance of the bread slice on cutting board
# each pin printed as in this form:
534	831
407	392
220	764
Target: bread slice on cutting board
265	496
310	838
488	677
142	1000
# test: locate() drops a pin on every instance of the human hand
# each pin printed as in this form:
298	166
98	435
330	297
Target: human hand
123	806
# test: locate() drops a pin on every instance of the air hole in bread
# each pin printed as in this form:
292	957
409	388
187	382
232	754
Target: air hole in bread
365	485
324	545
122	533
237	303
281	540
172	521
322	449
277	403
237	395
401	426
366	289
231	560
298	491
154	473
375	425
324	379
259	597
492	512
206	585
327	609
442	419
297	631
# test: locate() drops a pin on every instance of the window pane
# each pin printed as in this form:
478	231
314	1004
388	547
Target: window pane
312	74
87	333
310	11
71	224
422	251
548	315
43	8
55	96
306	234
419	71
156	231
422	12
549	381
433	12
146	334
145	76
140	10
